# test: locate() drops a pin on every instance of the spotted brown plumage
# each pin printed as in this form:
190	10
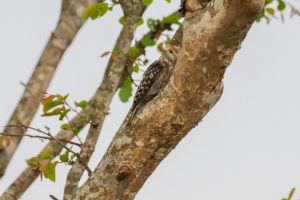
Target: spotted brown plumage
154	80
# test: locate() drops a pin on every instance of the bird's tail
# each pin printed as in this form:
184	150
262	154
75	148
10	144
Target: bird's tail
131	115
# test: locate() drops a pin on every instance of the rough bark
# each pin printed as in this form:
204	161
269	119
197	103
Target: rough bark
209	41
108	87
68	25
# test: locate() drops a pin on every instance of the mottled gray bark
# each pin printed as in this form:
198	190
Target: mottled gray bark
68	25
107	89
209	41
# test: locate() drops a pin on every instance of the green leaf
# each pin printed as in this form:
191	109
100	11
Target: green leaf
261	15
46	156
171	19
64	157
140	22
291	193
94	13
82	121
169	1
133	52
75	131
151	24
50	172
95	10
268	2
103	7
135	68
81	104
147	41
126	90
168	40
147	2
115	51
271	11
56	111
281	5
72	156
87	11
63	114
47	99
62	98
122	20
51	104
32	162
65	126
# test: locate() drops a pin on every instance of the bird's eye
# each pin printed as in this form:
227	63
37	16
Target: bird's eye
171	51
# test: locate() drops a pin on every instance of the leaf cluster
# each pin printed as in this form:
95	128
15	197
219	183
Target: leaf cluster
43	164
274	7
56	105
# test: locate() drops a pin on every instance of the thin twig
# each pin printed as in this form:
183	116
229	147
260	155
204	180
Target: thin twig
76	154
59	142
72	128
129	74
39	137
23	84
53	197
80	115
74	110
294	10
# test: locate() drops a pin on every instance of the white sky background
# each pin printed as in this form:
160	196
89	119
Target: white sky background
247	147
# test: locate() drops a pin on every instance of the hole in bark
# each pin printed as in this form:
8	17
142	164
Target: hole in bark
121	176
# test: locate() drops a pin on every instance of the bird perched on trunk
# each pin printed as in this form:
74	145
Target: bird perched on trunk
154	79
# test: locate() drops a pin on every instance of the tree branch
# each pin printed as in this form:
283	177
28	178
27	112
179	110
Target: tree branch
68	25
108	87
209	41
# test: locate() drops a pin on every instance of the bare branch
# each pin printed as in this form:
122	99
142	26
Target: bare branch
294	10
73	128
53	197
131	79
39	137
84	164
210	39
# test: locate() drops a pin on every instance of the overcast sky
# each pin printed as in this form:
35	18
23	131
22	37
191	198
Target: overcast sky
247	147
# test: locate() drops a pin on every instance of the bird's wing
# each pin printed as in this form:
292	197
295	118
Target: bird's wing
149	77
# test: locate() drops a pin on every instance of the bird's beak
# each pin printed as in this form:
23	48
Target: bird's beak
162	50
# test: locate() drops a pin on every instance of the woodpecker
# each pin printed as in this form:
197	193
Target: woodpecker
154	79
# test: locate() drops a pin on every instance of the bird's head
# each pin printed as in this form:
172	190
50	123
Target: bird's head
169	54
